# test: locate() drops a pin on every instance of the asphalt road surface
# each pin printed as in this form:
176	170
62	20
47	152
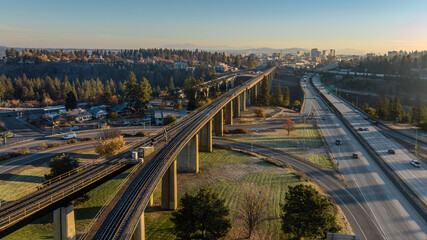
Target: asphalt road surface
400	161
393	216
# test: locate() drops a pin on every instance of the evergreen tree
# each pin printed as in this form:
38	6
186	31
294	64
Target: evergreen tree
171	85
307	214
286	97
396	110
383	108
71	101
265	92
143	94
131	89
278	96
201	216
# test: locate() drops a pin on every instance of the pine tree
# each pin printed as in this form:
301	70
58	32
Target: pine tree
278	96
265	92
171	85
286	97
396	110
70	101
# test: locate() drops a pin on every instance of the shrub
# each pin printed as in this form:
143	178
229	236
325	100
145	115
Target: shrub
52	145
239	131
259	112
169	119
24	151
87	139
141	133
43	146
71	141
110	146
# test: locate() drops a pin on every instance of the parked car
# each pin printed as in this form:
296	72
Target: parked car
69	136
415	163
355	155
391	151
338	142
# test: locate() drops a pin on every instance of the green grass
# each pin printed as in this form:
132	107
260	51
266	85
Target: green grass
226	172
43	228
21	183
297	142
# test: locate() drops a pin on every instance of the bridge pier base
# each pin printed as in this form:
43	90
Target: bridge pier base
169	188
219	123
188	157
229	113
139	233
64	226
205	137
236	106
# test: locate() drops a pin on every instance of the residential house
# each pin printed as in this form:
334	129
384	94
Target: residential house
159	116
122	109
83	117
98	113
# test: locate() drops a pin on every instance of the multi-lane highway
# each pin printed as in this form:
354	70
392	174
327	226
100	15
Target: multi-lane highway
392	214
400	161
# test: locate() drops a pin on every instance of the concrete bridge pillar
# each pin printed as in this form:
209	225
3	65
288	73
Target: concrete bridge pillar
236	106
169	188
205	137
188	157
64	226
219	123
232	82
243	101
139	233
229	113
254	94
248	97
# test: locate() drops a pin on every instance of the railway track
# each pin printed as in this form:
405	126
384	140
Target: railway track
123	219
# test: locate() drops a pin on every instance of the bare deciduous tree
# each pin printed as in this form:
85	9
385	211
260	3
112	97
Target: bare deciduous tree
253	208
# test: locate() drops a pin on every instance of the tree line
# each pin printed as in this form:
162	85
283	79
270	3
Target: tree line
390	109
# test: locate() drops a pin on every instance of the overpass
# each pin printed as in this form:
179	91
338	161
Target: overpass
126	220
184	145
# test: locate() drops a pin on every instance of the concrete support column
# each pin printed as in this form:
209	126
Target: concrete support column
232	82
243	101
219	124
151	203
205	137
254	94
64	226
236	106
229	113
169	188
139	233
188	157
248	97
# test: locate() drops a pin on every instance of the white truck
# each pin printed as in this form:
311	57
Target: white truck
141	152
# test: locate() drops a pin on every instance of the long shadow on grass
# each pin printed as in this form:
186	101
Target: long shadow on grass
86	213
21	178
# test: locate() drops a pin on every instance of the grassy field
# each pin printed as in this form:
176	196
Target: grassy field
26	180
226	172
306	143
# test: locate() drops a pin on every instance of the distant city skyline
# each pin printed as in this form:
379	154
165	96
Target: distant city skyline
369	26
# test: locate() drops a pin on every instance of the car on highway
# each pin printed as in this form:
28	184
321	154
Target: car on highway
366	118
69	136
366	129
391	151
355	155
324	117
360	129
356	111
415	163
338	142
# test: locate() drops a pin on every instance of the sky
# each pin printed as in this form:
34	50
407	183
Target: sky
368	25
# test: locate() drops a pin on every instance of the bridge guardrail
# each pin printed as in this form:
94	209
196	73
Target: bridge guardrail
410	195
57	195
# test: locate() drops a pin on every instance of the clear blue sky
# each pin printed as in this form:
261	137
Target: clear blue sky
368	25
